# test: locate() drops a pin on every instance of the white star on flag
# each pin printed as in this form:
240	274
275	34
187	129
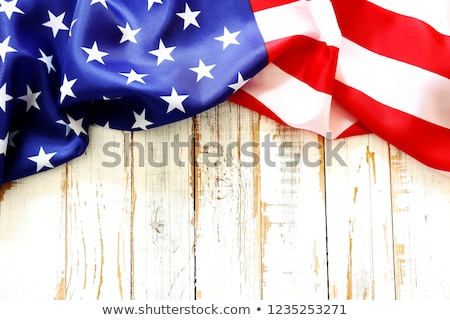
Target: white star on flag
241	82
175	101
133	76
203	71
5	48
55	23
189	17
9	7
66	88
42	159
141	122
128	34
103	2
94	53
4	144
162	53
47	60
228	38
4	97
76	125
31	99
152	2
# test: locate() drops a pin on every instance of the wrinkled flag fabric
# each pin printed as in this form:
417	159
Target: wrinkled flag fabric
343	66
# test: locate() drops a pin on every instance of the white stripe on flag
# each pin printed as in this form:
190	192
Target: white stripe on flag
436	13
287	20
340	119
396	84
325	19
296	103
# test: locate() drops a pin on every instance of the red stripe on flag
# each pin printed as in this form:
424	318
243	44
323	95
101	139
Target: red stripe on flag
354	130
393	35
422	140
311	61
258	5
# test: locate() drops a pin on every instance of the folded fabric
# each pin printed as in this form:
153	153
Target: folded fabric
344	66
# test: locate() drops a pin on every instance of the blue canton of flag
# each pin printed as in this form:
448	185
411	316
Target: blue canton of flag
129	65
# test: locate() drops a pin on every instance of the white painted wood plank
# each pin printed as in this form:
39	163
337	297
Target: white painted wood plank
256	233
163	213
228	261
293	210
99	222
32	237
359	221
421	206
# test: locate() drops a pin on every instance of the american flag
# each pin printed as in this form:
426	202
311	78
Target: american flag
341	66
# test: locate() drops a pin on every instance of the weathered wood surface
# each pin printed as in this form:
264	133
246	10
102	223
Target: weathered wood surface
226	217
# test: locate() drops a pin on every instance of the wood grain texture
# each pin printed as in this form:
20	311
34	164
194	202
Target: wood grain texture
32	237
228	263
293	211
359	221
163	214
242	221
421	224
98	223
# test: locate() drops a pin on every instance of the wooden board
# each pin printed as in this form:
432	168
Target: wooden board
257	211
162	235
359	221
293	214
227	217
